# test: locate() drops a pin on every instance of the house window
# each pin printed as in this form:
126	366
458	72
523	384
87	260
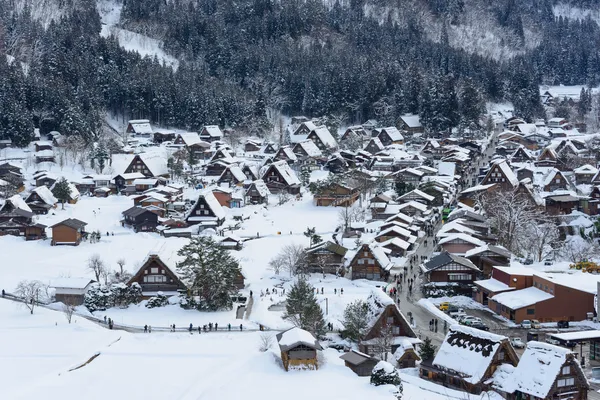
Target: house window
366	254
530	311
154	270
361	261
566	370
371	262
565	382
390	320
396	330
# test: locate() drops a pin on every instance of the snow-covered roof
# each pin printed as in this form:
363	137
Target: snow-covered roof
212	203
261	187
145	181
521	298
18	202
491	248
447	168
423	195
310	148
462	236
493	285
45	153
296	336
395	229
411	120
190	138
70	283
155	163
141	126
477	188
213	131
403	244
408	219
586	169
393	133
287	151
74	194
377	143
468	352
286	172
537	370
508	173
237	173
454	225
46	195
325	136
415	204
131	175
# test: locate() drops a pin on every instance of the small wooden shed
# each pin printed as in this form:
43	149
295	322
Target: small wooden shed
298	349
362	364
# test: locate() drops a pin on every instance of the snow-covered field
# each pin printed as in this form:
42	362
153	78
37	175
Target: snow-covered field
40	354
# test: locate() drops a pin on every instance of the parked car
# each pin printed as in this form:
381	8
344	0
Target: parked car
451	309
526	324
528	261
469	320
551	340
533	336
444	306
562	324
479	325
457	313
548	261
517	343
535	324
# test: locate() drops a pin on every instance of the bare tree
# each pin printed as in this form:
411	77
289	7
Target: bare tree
32	293
104	274
266	341
384	340
345	217
68	309
121	264
577	250
510	214
292	258
542	239
96	265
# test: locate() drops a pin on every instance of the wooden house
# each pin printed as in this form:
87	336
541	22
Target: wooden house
410	176
251	172
585	174
418	196
231	242
45	179
217	167
304	128
356	133
257	193
206	211
337	195
487	256
279	177
42	145
459	243
269	148
326	258
41	200
71	291
285	153
502	175
545	371
521	155
155	276
211	133
161	137
383	315
432	149
4	143
390	135
139	127
322	138
450	268
124	181
70	231
44	156
374	146
140	219
307	149
150	166
410	123
232	176
362	364
405	355
555	180
18	227
395	247
298	349
468	358
547	158
371	262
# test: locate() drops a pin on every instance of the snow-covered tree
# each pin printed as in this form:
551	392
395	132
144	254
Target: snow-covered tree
62	191
426	350
96	265
291	258
543	239
356	320
160	300
209	271
384	373
32	293
302	308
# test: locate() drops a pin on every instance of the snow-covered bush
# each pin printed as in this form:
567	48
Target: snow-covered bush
100	297
384	373
160	300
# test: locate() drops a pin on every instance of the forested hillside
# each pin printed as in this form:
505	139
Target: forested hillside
351	60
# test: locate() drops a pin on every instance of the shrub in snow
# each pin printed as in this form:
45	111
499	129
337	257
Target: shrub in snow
134	293
100	297
187	302
426	350
160	300
384	373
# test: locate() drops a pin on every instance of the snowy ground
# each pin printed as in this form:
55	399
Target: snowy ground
43	352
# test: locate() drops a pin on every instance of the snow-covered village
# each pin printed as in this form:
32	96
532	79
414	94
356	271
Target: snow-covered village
320	199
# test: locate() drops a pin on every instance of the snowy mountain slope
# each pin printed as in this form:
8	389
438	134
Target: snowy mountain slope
110	15
571	12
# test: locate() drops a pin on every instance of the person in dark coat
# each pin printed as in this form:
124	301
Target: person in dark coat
241	327
145	328
216	326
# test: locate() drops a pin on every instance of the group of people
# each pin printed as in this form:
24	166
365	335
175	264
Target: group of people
206	328
433	325
109	322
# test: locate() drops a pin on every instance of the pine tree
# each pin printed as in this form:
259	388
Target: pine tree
101	155
209	271
426	350
62	191
302	308
471	104
356	320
